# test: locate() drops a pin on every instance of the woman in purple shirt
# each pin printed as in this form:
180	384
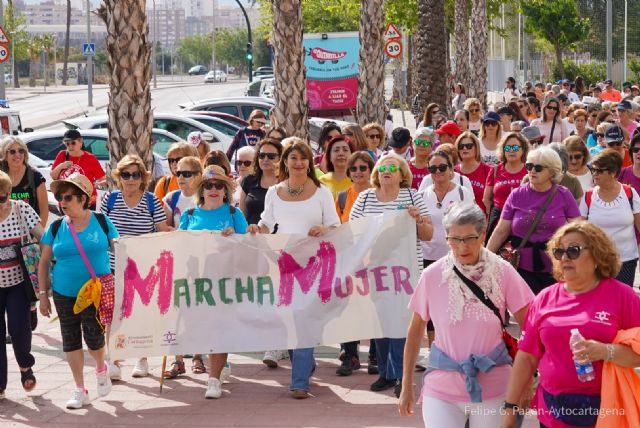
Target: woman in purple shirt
545	172
631	174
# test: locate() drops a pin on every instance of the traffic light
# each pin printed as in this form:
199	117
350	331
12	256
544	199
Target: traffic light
249	55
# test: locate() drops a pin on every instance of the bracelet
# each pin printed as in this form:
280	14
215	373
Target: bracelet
506	405
610	350
43	293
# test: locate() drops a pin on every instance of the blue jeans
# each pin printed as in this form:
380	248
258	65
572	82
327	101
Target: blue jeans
302	366
13	301
389	353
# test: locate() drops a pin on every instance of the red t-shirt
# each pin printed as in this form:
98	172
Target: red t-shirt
503	183
418	175
87	165
478	179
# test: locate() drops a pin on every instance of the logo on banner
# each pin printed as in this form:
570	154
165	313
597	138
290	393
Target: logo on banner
170	337
322	55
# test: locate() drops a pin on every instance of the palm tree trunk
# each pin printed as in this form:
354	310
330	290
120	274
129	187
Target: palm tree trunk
431	50
461	31
558	51
33	69
290	79
479	42
371	71
129	54
65	65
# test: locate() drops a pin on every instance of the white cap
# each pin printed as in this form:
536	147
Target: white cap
194	138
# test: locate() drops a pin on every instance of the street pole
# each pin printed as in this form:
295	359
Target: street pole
246	18
525	50
13	58
3	94
89	58
624	73
609	38
153	45
213	38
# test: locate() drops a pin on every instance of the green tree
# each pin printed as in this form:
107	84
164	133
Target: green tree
231	47
557	22
48	45
14	22
194	50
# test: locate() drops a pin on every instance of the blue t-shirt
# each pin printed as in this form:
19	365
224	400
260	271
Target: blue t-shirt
218	219
70	272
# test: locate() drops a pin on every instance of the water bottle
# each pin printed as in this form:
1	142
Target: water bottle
585	371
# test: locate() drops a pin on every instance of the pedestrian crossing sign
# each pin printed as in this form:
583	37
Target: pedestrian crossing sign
89	49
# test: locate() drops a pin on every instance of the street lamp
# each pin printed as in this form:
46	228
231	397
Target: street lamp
89	59
153	45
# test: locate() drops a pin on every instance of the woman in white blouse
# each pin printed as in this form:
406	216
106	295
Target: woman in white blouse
551	124
298	204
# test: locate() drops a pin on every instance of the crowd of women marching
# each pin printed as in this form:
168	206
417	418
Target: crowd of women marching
529	211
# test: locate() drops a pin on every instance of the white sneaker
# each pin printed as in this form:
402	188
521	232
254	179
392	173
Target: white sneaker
141	369
115	373
104	383
214	388
283	355
79	398
226	373
270	359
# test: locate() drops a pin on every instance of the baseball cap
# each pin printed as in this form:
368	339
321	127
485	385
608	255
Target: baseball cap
451	128
194	138
626	83
491	116
71	134
532	134
608	82
400	137
565	82
78	180
613	134
625	105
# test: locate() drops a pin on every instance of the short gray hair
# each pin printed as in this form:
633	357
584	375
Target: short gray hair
461	213
561	150
549	158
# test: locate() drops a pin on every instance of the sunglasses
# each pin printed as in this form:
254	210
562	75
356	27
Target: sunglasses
610	121
466	240
423	143
434	168
600	135
374	136
186	174
208	185
390	168
635	150
594	116
474	110
129	175
4	199
15	152
70	142
271	156
513	148
66	198
595	170
537	167
615	143
246	164
174	160
576	157
552	108
362	168
572	252
491	123
467	146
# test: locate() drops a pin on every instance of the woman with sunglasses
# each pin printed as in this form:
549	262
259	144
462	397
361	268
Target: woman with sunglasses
585	297
17	221
578	160
179	201
169	183
467	328
490	135
599	136
391	191
524	110
471	165
214	211
376	139
551	124
298	204
427	119
522	207
580	117
133	211
474	107
419	163
243	165
250	134
95	233
338	153
615	208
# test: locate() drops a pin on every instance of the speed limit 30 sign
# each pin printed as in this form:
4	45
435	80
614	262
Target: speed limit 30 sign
5	53
393	48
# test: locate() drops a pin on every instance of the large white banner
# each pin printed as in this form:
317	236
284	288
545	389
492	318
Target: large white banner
200	292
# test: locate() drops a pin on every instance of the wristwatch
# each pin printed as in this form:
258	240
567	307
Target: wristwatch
511	406
43	293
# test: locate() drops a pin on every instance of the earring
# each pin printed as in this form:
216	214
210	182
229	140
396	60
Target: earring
286	170
309	170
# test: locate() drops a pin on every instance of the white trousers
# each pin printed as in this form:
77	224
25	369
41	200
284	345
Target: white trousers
438	413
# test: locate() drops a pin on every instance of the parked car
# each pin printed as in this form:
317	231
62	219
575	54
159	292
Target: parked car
234	120
197	70
261	71
215	76
268	87
216	123
253	87
237	106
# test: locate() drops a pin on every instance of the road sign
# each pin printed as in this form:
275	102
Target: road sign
89	49
393	48
5	53
3	37
392	32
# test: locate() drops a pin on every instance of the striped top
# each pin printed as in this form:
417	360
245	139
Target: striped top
367	204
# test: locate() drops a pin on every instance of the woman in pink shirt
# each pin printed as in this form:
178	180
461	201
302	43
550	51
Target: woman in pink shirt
587	297
468	364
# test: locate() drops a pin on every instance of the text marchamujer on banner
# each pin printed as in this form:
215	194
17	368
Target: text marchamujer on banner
199	292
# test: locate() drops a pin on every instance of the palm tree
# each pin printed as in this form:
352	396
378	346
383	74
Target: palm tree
65	64
129	54
431	69
11	25
48	45
478	81
461	30
290	80
371	72
34	48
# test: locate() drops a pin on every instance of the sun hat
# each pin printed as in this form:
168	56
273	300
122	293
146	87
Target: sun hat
78	180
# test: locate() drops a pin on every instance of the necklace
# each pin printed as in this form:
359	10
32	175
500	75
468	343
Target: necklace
295	191
438	199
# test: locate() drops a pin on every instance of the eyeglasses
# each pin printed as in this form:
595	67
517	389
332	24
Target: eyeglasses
434	168
362	168
572	252
374	136
14	152
390	168
635	150
4	199
245	163
512	148
467	240
137	175
66	198
537	168
271	156
174	160
186	174
577	157
474	110
491	123
423	143
595	170
594	116
467	146
208	185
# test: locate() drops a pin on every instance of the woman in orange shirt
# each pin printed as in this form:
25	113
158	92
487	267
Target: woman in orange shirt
169	183
359	168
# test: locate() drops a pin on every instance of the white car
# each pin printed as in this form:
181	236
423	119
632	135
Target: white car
215	76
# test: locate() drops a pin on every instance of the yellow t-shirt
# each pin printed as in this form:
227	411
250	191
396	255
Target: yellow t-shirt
333	185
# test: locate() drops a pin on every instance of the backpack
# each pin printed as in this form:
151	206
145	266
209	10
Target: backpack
167	181
114	195
589	194
55	226
173	203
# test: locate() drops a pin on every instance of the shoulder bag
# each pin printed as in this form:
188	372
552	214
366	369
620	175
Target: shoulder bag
29	256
